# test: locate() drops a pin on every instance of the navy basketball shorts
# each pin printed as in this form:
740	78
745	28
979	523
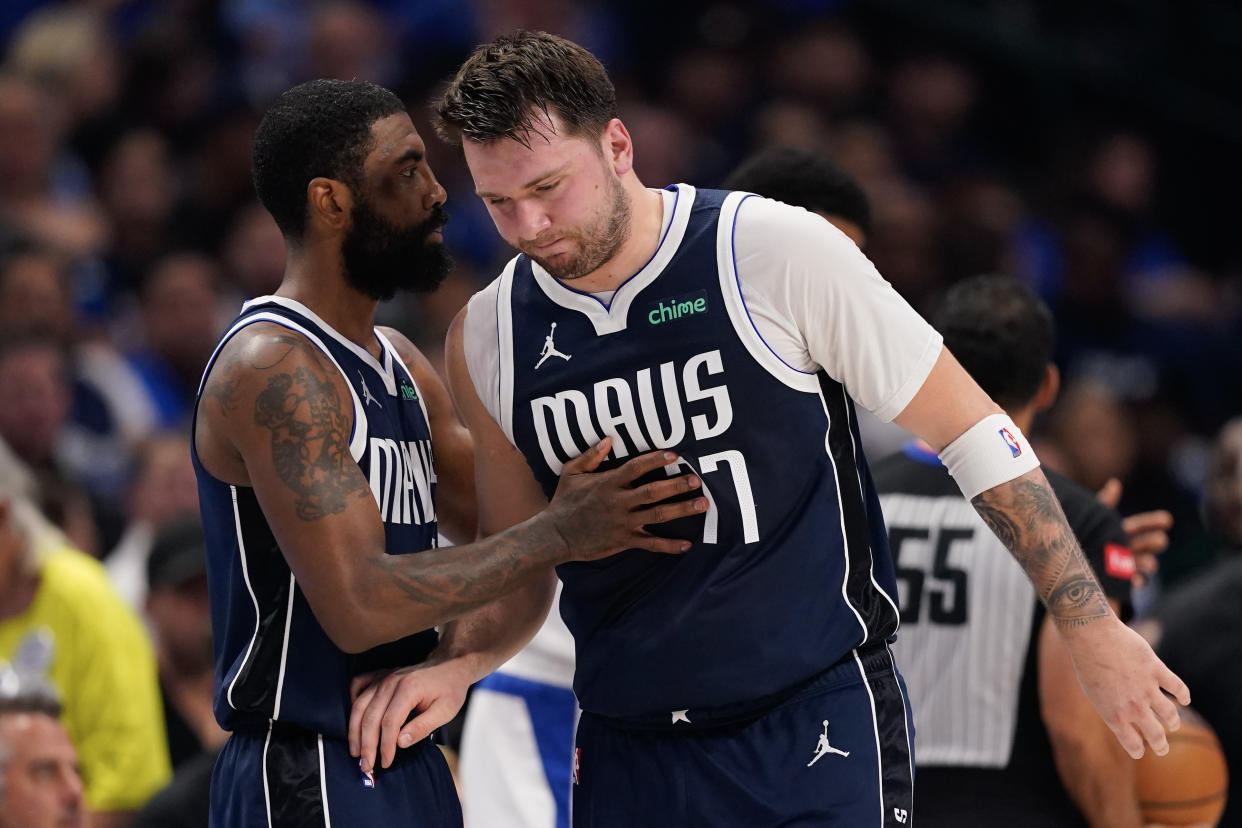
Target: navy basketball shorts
292	778
839	752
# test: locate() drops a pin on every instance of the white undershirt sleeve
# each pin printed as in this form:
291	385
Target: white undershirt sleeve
819	302
482	348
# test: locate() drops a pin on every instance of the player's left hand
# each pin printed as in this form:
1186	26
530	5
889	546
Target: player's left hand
385	699
1128	685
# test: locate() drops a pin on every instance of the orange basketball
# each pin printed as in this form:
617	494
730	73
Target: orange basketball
1188	785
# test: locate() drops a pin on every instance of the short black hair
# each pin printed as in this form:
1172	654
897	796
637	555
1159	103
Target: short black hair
1001	332
318	128
804	179
501	87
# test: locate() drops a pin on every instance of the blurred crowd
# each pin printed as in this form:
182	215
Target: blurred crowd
130	233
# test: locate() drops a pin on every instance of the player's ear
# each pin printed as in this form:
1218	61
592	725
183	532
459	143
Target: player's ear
328	203
1049	387
618	147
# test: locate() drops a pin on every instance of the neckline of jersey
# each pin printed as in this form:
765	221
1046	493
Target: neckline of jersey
385	370
609	317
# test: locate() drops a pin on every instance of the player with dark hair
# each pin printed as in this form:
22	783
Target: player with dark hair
327	452
730	327
810	180
1005	732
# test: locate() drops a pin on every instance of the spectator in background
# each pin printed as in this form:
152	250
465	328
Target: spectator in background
110	413
1196	626
164	493
1093	435
825	66
63	629
180	618
40	779
35	397
139	189
41	192
177	306
70	51
254	253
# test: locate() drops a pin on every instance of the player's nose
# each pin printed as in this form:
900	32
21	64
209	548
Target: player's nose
532	220
436	194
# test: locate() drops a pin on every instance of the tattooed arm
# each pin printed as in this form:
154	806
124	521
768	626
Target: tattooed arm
277	416
1026	516
1120	674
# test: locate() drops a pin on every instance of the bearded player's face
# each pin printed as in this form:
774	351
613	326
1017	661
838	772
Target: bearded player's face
394	242
554	198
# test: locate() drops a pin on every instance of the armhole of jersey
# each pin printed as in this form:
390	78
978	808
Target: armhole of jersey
396	357
504	345
731	288
358	432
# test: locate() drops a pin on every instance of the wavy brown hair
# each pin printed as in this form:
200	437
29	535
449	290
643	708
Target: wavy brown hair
509	88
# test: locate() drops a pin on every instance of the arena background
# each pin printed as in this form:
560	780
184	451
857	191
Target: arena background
1089	148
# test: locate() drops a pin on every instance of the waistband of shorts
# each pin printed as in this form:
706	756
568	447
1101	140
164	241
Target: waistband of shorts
874	658
278	729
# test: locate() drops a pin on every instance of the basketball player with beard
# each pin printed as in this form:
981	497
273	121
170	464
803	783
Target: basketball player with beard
313	444
734	330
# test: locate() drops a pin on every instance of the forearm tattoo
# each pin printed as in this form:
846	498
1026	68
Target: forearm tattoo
472	575
1027	518
310	438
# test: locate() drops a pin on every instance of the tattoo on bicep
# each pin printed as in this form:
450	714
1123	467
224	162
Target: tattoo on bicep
310	441
223	384
1027	518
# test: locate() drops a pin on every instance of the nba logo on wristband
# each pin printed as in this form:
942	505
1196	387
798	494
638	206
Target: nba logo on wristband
1011	441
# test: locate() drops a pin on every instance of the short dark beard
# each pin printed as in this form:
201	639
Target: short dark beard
597	243
380	258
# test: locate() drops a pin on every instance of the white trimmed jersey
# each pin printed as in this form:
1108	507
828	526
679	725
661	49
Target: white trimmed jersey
739	346
274	662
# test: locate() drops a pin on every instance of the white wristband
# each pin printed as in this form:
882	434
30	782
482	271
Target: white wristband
991	452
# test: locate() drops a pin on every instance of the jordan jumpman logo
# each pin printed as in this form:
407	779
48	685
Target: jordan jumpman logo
367	396
823	747
549	349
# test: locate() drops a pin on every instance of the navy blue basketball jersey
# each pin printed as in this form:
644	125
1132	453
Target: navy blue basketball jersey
273	660
789	569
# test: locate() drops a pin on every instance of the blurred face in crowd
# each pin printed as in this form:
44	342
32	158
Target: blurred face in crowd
165	490
27	137
394	240
558	200
254	252
35	396
33	296
40	783
1096	434
178	311
138	183
1223	491
181	617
